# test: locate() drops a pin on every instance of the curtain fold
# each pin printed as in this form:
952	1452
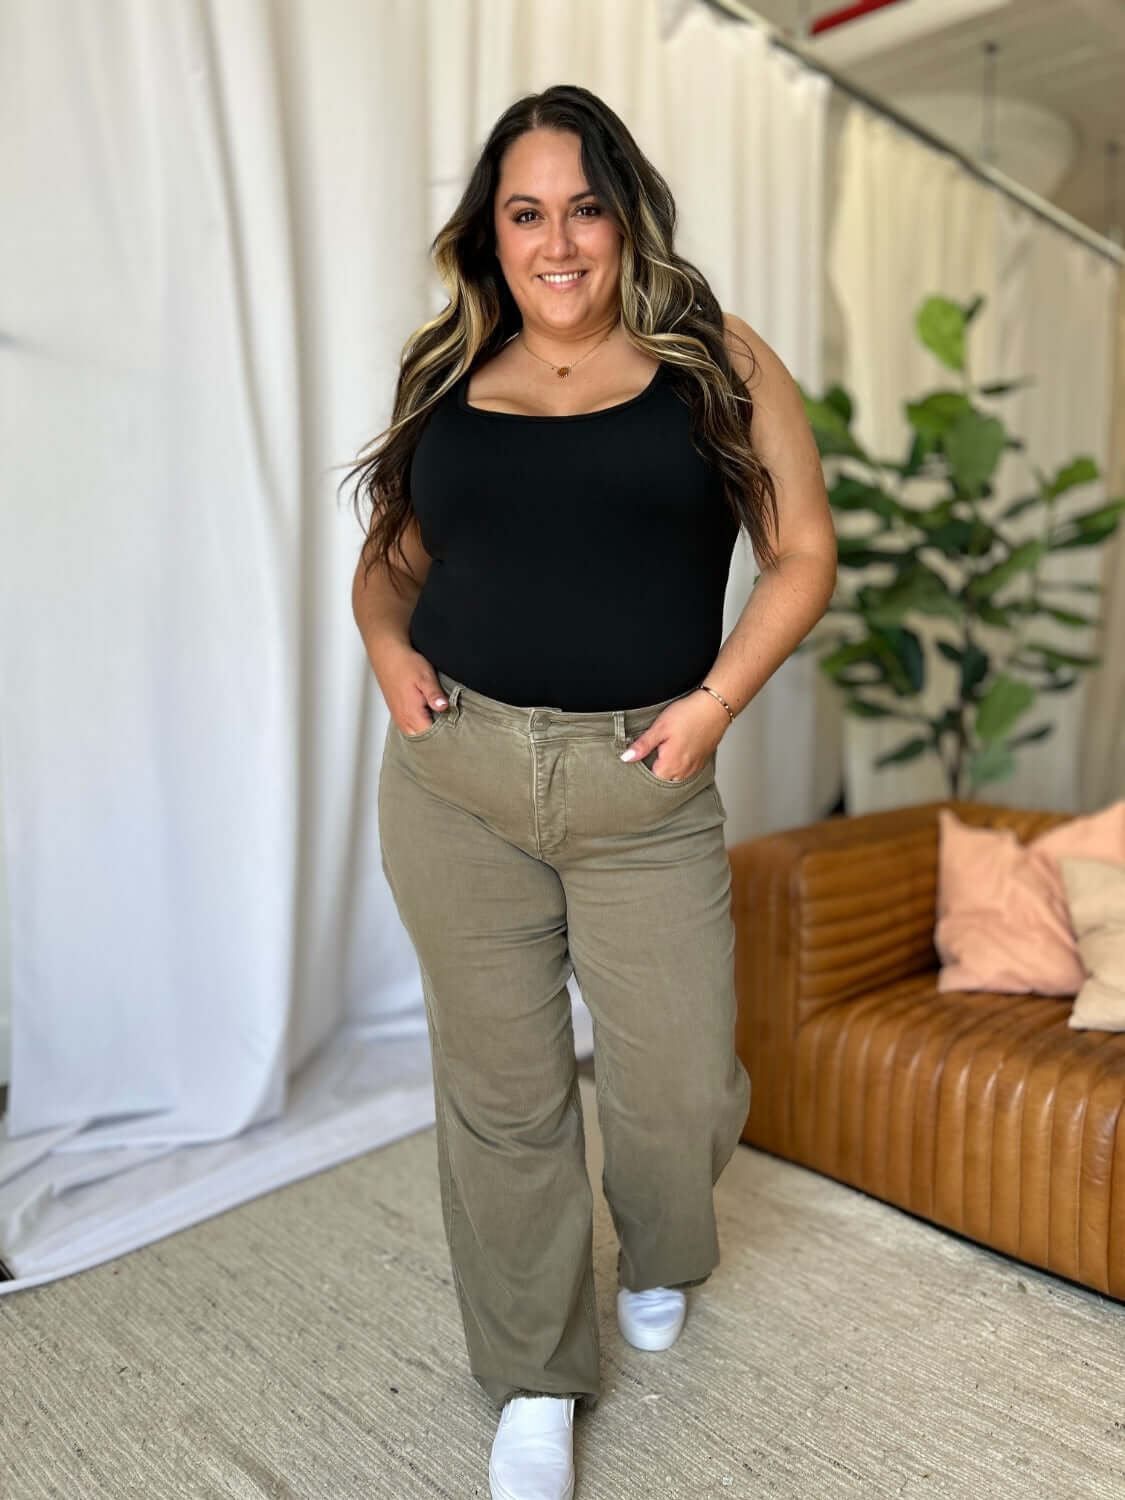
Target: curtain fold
1102	768
211	991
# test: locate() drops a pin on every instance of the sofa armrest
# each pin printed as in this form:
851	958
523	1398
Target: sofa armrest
828	912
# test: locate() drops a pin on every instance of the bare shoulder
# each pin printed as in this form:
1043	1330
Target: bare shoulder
779	407
783	439
758	367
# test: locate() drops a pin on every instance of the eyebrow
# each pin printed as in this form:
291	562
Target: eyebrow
527	198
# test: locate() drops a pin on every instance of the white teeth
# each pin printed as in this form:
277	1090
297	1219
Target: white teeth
572	276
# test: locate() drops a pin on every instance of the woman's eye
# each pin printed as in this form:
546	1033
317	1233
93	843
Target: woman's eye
519	217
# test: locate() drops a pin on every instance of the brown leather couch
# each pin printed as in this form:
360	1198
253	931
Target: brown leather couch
984	1113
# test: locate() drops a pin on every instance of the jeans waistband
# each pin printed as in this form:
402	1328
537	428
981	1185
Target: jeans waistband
618	722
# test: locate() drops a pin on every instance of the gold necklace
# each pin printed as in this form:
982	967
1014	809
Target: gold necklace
566	369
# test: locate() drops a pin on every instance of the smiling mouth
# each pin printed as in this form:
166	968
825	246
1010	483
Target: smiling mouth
568	278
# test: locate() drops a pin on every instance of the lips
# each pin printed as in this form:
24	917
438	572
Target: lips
571	278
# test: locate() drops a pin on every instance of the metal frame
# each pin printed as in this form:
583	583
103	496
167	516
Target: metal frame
1045	210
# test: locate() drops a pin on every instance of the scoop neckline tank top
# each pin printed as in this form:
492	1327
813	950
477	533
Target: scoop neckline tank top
575	416
579	560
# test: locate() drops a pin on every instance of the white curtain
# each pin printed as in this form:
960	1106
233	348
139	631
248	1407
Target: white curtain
1102	768
218	216
911	221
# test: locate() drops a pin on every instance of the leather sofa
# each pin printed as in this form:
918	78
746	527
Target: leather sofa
984	1113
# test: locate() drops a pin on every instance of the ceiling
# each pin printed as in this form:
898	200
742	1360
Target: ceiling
1058	84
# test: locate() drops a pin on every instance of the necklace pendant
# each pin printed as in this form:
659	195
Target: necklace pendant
563	370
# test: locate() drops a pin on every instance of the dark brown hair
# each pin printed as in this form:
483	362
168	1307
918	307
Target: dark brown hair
668	311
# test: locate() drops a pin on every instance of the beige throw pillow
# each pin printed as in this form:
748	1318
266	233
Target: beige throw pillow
1095	895
1002	921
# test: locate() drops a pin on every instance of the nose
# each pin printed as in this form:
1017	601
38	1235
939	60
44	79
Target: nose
560	240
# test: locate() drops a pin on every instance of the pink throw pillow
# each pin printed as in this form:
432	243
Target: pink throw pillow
1002	917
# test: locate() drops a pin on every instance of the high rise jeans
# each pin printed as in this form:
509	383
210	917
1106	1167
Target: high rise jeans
519	847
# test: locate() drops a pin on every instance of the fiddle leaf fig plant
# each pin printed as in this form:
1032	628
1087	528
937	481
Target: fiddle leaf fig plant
952	559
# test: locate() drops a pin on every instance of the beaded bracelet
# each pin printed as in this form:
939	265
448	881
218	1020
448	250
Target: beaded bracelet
720	697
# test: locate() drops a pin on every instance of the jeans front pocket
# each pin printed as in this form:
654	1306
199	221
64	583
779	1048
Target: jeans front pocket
440	717
665	781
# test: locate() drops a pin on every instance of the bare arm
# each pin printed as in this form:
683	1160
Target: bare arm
406	679
381	613
790	598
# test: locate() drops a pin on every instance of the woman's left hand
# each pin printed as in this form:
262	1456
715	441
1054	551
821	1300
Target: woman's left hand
687	732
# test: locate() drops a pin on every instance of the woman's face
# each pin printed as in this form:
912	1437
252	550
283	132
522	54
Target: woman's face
547	221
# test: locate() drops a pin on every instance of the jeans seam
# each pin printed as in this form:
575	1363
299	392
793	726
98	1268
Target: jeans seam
589	1299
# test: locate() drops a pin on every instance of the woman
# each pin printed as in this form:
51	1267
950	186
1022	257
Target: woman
573	451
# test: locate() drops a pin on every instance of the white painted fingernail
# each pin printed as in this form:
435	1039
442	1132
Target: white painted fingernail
628	755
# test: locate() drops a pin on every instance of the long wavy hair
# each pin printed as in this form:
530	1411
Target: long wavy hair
667	310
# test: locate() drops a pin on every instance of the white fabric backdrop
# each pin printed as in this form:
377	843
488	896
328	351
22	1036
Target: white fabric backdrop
1102	769
909	222
222	216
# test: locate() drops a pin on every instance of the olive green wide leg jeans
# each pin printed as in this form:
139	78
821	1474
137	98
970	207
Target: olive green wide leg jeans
519	847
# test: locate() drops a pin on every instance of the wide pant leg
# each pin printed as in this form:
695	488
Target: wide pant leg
517	843
488	924
648	887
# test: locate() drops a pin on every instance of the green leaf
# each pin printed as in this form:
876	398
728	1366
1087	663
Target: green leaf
1088	529
993	763
933	517
910	750
915	459
974	669
1029	735
830	429
1005	387
847	655
990	615
1017	507
1006	699
1067	616
1020	559
1078	471
902	655
851	494
917	587
856	552
838	399
974	664
862	709
1092	518
935	414
941	327
1055	658
973	445
962	537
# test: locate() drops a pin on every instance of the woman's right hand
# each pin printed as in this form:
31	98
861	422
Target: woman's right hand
410	688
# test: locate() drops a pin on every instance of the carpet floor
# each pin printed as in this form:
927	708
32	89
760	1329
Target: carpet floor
307	1346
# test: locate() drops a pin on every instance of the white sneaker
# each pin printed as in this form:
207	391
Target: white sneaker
533	1450
651	1319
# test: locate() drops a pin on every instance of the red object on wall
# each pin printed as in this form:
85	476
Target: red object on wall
849	13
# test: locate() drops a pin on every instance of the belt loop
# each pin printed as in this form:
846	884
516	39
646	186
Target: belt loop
455	702
619	729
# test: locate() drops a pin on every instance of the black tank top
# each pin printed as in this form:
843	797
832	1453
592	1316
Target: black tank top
579	562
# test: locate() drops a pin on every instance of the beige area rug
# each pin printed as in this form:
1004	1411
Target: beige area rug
308	1346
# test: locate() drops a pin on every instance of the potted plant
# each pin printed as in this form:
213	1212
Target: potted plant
952	559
